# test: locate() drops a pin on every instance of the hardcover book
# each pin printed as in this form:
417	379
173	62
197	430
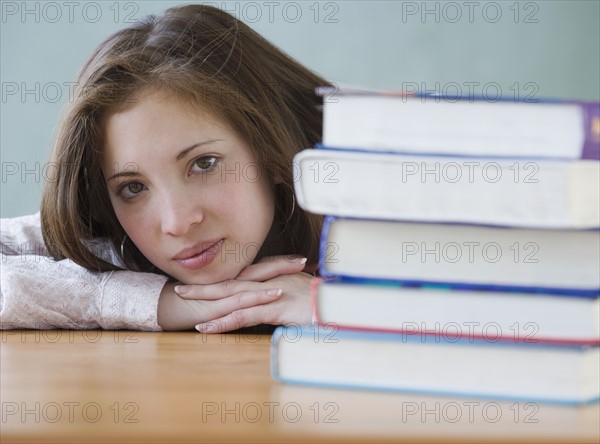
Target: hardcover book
541	193
397	362
462	256
450	314
461	125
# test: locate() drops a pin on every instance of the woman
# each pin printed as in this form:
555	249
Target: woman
173	161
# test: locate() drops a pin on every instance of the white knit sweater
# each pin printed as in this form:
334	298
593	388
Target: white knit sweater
39	293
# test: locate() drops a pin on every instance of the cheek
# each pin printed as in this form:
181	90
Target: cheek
135	223
264	212
254	205
248	209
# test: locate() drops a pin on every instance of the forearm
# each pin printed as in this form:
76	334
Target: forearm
176	313
39	293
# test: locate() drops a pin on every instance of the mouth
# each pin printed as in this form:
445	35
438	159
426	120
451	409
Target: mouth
199	256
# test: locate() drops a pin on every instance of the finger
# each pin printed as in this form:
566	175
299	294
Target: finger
216	291
246	299
247	317
272	266
281	257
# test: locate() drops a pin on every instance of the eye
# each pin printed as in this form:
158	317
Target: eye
204	164
131	190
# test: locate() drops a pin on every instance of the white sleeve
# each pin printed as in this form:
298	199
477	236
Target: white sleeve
40	293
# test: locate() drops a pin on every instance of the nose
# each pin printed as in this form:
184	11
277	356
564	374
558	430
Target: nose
179	212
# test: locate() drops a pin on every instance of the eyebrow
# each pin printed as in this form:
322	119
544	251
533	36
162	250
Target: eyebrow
182	154
187	150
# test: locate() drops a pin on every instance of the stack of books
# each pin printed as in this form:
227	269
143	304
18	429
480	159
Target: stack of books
460	254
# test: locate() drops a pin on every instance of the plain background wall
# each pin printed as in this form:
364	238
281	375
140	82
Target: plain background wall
517	48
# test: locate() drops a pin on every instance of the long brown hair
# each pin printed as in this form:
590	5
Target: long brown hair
209	59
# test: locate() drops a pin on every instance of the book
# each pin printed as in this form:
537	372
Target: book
460	125
462	256
490	315
394	362
541	193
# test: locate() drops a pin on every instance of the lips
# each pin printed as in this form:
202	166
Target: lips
199	255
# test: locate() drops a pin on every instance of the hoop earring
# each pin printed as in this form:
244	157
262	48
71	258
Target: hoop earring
122	249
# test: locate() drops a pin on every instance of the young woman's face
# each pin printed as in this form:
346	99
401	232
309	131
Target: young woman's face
186	189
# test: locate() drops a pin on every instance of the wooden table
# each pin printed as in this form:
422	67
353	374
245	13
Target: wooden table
105	386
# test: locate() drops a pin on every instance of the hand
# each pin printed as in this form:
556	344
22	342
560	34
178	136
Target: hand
273	266
272	291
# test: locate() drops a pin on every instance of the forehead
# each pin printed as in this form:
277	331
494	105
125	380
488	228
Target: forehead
155	122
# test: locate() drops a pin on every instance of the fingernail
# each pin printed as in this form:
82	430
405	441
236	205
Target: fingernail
299	260
199	327
274	292
181	290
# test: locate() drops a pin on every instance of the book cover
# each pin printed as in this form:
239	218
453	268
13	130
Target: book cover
460	125
541	193
462	256
403	363
450	313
